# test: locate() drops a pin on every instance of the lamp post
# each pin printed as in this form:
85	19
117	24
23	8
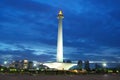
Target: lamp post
104	67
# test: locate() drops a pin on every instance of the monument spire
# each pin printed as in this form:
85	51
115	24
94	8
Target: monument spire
60	38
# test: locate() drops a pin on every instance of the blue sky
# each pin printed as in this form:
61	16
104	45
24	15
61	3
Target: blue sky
28	30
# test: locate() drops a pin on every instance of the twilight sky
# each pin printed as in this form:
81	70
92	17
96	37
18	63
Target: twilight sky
28	30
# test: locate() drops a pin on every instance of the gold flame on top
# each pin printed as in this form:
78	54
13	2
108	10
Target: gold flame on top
60	12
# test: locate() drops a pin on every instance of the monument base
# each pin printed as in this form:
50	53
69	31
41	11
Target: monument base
60	66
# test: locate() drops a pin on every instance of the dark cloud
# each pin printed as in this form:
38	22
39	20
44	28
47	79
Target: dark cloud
27	5
10	55
87	26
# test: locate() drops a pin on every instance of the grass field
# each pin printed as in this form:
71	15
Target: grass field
60	77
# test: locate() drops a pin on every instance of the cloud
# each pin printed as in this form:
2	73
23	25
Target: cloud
27	5
6	57
39	52
90	28
106	53
5	47
29	26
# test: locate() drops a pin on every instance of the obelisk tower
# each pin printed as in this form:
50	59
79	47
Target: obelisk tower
60	38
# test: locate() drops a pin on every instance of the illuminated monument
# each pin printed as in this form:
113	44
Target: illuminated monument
59	64
60	38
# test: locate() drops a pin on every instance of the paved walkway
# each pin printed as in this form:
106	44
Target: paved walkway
59	77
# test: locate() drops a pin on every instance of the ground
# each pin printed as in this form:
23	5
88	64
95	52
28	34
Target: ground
60	77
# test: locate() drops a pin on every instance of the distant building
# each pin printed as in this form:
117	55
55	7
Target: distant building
67	61
25	64
22	64
97	66
15	64
87	65
79	64
30	65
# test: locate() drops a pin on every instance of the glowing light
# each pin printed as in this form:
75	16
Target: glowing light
104	64
34	65
76	71
37	68
25	61
1	69
117	71
5	62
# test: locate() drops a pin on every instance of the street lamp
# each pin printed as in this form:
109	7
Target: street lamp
104	64
5	62
104	67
